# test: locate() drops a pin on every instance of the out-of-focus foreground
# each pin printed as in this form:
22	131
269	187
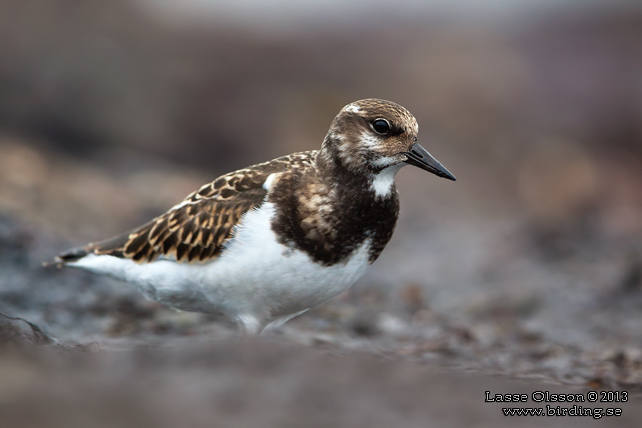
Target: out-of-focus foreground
530	265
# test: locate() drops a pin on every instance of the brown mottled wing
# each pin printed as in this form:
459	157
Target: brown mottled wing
193	232
196	229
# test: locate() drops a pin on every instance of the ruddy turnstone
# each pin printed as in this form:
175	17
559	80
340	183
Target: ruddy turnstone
268	242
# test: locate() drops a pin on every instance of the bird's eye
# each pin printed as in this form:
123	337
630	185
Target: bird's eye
381	126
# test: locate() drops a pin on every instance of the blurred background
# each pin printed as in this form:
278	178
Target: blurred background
530	264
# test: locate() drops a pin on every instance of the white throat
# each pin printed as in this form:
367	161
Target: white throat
382	182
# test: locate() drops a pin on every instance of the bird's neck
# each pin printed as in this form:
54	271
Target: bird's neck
334	166
330	210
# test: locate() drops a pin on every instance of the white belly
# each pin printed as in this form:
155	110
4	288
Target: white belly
255	277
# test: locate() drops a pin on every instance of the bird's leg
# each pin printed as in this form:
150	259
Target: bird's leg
250	325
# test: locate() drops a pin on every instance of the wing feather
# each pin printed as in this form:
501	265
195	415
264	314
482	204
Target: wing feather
196	229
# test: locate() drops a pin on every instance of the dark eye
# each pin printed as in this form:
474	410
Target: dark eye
381	126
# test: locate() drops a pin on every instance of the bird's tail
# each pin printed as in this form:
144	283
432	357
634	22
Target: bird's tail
68	256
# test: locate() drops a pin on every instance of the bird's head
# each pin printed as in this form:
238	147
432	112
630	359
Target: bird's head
374	135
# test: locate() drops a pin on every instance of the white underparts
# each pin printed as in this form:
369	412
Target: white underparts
383	182
256	280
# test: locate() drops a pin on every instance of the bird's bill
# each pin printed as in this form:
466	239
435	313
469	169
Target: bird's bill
419	157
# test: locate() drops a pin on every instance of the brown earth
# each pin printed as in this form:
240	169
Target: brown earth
524	275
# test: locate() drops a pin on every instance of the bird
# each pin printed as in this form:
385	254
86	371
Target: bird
266	243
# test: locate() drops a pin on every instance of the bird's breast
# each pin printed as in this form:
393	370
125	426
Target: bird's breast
328	222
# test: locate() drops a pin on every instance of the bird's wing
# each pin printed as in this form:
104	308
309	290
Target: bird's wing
196	229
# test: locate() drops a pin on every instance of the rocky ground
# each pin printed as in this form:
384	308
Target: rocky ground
524	275
379	355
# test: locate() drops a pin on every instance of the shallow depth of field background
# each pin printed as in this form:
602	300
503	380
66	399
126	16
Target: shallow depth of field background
530	265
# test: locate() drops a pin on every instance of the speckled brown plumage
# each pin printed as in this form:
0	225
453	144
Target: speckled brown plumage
326	201
328	221
268	242
196	229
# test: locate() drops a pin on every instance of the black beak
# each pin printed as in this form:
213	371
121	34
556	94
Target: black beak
418	156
